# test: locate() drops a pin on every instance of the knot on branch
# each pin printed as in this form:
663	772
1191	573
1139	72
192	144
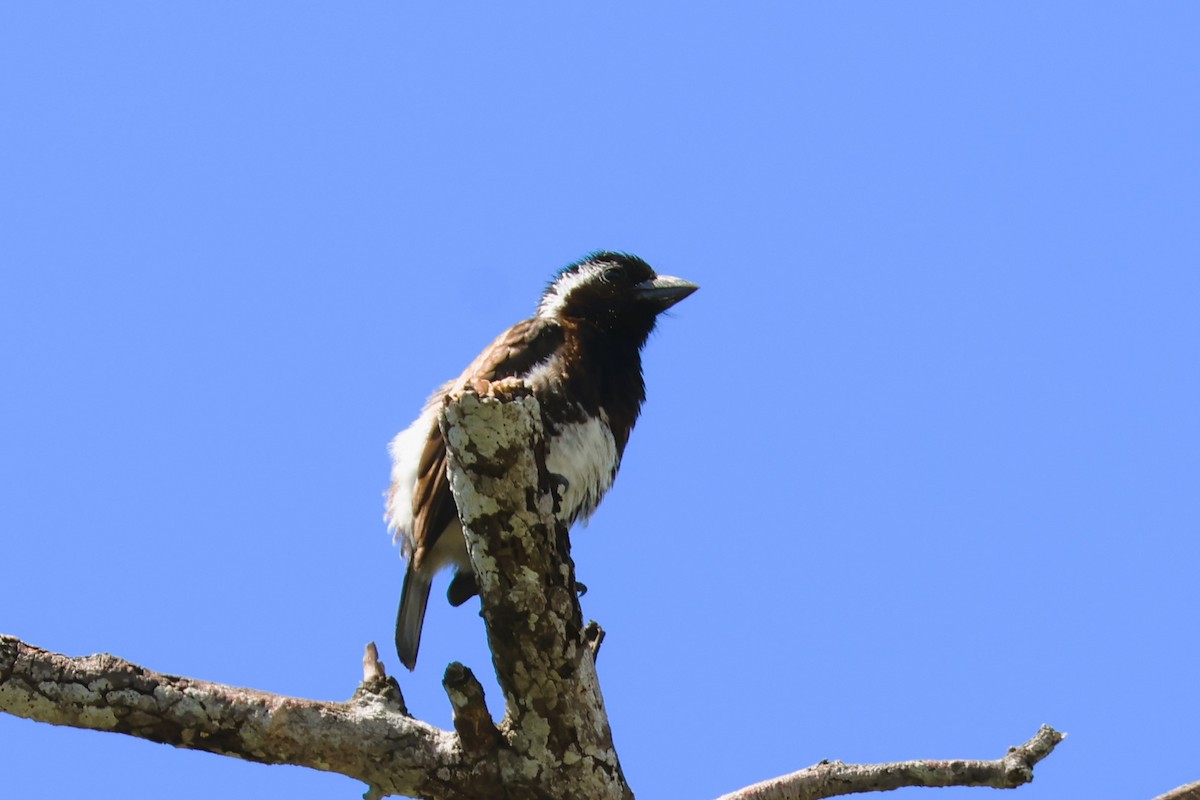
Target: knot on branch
377	683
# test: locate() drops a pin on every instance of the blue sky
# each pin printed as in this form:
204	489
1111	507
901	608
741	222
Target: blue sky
918	471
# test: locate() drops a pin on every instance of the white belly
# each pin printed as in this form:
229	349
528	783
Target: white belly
585	454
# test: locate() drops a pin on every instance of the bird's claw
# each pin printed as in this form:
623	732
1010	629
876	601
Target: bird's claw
558	489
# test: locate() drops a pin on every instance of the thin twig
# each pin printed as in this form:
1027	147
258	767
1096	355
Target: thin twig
831	779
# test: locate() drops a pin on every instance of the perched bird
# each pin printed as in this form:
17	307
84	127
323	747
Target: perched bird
581	356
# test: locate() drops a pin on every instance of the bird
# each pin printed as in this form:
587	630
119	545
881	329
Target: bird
580	356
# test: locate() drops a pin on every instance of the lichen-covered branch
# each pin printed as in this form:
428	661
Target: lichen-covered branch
833	778
554	742
370	737
472	721
555	726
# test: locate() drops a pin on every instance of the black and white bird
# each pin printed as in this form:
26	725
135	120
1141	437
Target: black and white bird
581	356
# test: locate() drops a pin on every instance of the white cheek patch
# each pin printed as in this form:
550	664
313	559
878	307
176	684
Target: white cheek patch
584	453
556	295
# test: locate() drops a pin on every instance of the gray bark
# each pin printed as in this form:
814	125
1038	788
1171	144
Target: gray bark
554	741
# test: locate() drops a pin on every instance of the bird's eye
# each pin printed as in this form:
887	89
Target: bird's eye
613	275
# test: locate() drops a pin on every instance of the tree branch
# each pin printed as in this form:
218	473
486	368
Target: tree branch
472	721
370	737
555	725
833	778
1190	791
554	742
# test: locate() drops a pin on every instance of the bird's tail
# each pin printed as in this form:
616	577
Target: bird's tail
411	616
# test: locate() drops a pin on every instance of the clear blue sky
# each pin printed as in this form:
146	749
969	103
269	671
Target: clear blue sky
919	468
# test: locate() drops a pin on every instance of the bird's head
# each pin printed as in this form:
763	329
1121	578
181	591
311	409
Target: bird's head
614	291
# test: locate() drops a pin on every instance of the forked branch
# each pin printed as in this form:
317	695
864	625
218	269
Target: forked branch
554	742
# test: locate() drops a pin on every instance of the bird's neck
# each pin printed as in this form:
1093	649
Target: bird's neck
614	375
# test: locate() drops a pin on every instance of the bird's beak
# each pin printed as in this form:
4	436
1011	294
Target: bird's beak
664	291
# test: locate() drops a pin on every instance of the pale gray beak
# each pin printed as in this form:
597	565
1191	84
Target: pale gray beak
665	290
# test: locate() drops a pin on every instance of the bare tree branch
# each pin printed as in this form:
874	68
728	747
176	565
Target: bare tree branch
833	778
555	722
1189	791
472	721
554	742
370	737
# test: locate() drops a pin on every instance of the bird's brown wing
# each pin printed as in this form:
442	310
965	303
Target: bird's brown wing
513	353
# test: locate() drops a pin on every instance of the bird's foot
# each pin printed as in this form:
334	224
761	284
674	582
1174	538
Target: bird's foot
558	490
505	389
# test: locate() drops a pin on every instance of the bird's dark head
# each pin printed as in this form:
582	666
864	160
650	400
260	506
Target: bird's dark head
614	291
